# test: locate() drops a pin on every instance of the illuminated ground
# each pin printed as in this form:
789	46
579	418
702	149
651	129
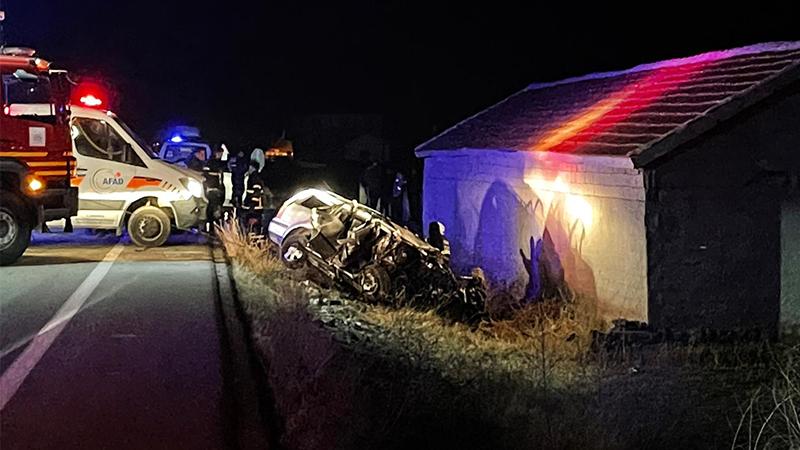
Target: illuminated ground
121	354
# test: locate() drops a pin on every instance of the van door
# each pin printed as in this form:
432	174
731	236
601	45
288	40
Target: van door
106	163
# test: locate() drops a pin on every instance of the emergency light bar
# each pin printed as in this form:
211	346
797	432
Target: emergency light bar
91	95
18	51
91	101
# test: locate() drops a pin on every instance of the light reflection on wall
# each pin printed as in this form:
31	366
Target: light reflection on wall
575	206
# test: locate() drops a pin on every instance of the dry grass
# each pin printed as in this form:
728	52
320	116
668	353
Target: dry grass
543	343
771	419
349	375
250	251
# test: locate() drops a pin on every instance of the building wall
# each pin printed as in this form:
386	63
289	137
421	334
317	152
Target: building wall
790	264
714	222
580	217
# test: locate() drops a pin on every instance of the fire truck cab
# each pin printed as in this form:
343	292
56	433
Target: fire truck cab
123	184
35	149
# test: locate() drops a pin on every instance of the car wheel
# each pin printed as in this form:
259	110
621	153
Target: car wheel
149	227
375	283
15	233
293	249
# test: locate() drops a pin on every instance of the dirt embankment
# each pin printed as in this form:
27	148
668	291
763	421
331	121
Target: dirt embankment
347	375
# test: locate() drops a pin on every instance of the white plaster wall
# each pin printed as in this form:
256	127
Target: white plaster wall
589	212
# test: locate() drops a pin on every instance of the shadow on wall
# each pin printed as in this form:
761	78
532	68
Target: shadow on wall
510	227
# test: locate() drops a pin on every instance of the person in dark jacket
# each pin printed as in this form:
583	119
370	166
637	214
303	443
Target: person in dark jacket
238	165
399	208
372	180
198	160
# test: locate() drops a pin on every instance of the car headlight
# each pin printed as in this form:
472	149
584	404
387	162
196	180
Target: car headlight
193	186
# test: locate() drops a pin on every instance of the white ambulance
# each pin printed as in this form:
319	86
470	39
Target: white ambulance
123	185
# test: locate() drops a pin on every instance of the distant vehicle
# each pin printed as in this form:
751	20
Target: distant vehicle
35	151
122	185
372	258
182	143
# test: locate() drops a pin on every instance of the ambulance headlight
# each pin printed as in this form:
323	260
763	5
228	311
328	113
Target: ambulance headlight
193	186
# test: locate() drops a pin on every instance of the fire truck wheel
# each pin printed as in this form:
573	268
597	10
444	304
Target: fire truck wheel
15	232
149	227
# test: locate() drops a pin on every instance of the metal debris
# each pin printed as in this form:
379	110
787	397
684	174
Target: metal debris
372	259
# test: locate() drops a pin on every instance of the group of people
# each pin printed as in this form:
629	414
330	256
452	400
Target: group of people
389	191
393	192
251	197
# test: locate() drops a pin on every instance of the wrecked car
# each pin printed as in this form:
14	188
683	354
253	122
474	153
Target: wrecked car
370	257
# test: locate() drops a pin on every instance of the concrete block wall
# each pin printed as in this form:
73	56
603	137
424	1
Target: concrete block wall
716	208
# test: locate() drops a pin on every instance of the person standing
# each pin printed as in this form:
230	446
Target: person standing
257	161
198	160
414	192
371	180
238	165
399	209
215	185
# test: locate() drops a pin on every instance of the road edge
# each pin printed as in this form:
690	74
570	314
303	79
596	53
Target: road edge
248	403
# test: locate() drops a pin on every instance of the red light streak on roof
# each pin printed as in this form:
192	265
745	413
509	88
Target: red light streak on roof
617	107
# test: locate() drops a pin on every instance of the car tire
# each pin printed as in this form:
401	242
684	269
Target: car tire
293	249
15	232
149	227
376	284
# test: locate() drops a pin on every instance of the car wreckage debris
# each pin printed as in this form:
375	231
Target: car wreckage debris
372	259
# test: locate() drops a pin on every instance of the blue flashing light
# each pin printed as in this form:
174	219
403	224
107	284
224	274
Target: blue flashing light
176	139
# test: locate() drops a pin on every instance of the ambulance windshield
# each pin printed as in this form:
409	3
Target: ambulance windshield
145	146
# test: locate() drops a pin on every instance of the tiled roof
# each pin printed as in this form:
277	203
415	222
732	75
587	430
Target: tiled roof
627	112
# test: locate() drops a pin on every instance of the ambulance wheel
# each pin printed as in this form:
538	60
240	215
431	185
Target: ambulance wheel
149	227
15	232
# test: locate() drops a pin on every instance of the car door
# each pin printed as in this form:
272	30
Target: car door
106	163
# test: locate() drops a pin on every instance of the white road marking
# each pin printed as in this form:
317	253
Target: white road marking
20	369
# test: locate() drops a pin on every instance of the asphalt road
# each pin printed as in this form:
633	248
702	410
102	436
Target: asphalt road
106	346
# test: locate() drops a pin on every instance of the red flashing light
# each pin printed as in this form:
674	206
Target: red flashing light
91	101
91	94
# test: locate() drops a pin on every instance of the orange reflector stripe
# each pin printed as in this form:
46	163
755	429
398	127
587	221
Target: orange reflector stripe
48	164
139	182
45	173
23	154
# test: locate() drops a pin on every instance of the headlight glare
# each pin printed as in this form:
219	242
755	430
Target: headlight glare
193	186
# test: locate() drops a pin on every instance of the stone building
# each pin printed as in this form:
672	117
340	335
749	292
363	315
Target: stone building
667	193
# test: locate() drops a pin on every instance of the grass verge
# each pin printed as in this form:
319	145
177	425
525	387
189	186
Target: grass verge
348	375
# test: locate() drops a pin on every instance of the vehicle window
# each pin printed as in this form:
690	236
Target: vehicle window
174	153
313	202
97	139
16	91
136	138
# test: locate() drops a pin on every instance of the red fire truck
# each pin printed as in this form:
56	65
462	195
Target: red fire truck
36	159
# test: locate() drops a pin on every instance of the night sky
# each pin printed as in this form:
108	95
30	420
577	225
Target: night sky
241	70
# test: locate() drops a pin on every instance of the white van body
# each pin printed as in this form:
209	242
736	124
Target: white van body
118	179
